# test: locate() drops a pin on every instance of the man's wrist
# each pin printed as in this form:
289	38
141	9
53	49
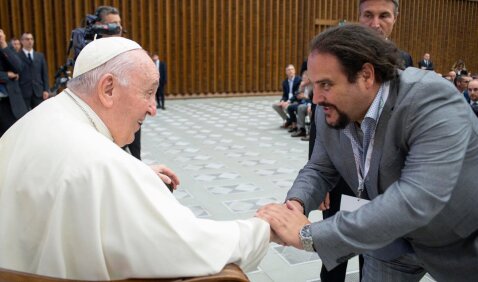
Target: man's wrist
298	201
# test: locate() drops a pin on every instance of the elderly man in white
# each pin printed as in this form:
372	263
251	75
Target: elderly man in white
74	205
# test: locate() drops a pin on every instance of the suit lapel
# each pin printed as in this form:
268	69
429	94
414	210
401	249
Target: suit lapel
380	132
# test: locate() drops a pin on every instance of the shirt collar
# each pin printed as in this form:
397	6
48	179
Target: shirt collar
375	108
28	52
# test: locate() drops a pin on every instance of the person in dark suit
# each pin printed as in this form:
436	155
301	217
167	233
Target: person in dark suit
290	86
377	128
426	64
34	74
12	105
162	82
16	44
473	93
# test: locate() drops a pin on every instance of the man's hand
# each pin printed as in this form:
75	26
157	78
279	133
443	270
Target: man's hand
45	95
12	75
325	205
284	105
166	174
286	221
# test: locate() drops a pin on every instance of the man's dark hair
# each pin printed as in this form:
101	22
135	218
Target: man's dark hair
103	11
354	45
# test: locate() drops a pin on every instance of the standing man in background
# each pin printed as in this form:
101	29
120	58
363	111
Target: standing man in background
34	74
161	66
15	43
12	105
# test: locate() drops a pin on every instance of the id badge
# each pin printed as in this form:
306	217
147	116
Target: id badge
349	203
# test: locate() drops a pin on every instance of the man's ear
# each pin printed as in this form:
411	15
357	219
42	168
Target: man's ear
368	74
105	90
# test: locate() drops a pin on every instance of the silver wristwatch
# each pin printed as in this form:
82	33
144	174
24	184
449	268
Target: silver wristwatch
306	237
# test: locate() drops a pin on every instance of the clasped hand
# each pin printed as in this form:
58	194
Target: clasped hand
285	220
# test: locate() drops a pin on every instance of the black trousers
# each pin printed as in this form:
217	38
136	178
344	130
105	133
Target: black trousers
7	118
160	97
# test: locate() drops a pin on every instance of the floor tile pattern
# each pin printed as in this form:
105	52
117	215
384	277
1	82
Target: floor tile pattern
232	157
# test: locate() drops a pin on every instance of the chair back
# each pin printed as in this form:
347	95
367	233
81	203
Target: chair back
230	273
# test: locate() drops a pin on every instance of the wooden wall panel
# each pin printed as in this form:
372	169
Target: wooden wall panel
242	46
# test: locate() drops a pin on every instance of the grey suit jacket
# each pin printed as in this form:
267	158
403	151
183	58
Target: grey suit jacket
422	180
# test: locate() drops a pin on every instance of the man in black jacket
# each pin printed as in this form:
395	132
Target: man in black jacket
12	105
34	74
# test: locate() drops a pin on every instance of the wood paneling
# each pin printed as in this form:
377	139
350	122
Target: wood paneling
242	46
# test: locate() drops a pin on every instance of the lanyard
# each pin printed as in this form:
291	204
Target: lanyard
361	175
382	96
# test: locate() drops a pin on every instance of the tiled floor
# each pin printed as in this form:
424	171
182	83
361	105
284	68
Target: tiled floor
232	158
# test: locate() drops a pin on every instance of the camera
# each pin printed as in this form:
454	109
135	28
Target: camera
80	37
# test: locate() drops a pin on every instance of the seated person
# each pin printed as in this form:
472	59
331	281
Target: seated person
289	86
298	108
75	205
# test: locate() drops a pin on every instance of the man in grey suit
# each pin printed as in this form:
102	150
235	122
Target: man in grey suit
34	74
406	144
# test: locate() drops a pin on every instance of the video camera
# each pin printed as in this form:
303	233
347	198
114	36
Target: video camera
80	37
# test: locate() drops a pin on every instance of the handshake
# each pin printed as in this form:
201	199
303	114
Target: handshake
286	221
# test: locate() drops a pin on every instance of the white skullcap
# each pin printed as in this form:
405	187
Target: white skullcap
101	51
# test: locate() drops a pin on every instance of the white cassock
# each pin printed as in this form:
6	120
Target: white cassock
75	205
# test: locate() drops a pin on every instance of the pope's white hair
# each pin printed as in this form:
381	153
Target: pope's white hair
120	66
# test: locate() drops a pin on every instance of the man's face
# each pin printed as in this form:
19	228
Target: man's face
341	100
135	100
426	57
464	82
112	18
452	75
379	15
473	90
17	45
27	41
290	71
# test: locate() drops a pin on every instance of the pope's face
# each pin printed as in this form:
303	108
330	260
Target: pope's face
136	99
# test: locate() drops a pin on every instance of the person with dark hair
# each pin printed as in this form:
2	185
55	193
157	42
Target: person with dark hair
381	16
12	105
473	93
16	44
461	83
406	144
34	74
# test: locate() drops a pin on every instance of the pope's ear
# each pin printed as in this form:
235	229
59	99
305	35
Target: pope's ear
105	90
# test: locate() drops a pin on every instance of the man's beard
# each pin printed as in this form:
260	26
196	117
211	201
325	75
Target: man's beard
342	121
